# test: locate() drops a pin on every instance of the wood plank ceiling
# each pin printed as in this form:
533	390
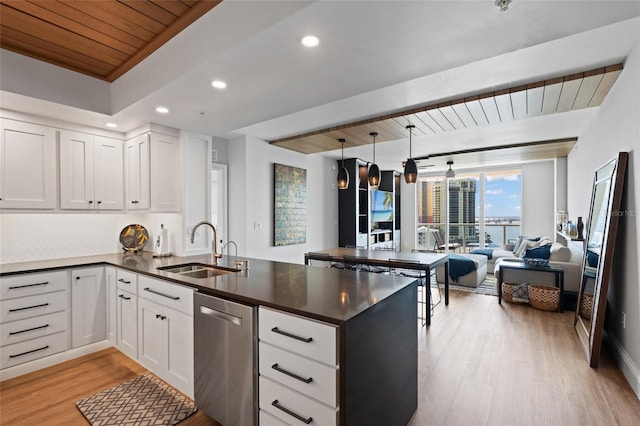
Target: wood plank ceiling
557	95
103	39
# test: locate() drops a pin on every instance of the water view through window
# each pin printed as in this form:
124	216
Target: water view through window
481	210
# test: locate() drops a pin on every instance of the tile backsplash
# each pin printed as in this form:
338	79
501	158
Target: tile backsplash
38	236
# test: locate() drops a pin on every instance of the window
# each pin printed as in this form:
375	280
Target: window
480	209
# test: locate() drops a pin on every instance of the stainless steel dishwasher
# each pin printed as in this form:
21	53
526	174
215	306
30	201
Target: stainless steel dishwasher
225	360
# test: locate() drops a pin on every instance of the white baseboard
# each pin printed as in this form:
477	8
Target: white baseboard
28	367
629	369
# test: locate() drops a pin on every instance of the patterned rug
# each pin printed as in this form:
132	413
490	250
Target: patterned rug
486	287
143	400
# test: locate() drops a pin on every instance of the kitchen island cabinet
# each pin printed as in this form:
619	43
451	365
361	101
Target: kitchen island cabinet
374	316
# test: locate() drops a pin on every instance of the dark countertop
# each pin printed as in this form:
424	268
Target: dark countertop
326	294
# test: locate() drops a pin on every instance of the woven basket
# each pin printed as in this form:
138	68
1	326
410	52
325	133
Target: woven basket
507	292
586	306
543	297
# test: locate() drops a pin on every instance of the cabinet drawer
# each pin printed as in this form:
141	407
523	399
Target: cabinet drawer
30	284
266	419
30	328
32	306
292	407
316	380
303	336
165	293
30	350
127	281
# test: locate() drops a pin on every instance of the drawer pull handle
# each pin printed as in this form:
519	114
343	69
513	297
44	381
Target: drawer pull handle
289	373
122	296
168	296
162	317
27	285
29	352
29	307
13	333
122	280
291	413
293	336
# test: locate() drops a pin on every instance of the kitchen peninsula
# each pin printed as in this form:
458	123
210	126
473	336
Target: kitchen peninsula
374	317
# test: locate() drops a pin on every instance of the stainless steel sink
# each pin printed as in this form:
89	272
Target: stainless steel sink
198	270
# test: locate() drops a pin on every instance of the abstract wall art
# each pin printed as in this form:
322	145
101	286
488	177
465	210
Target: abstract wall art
289	205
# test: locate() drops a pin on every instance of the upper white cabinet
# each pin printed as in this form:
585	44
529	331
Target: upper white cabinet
165	172
27	166
153	172
137	173
91	172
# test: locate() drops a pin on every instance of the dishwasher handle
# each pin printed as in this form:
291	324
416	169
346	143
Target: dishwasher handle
221	315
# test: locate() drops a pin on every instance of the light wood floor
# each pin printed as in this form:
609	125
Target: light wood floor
479	363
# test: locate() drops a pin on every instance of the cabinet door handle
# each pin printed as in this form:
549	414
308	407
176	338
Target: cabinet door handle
13	333
90	201
99	202
27	285
122	296
168	296
29	352
29	307
124	281
293	336
291	413
290	374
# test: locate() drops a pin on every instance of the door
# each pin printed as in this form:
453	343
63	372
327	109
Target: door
179	344
108	166
88	306
76	170
152	341
127	323
112	308
137	177
164	171
27	166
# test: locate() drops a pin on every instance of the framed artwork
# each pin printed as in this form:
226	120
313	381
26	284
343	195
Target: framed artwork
289	205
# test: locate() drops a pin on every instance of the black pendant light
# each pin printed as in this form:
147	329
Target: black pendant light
374	171
343	174
450	173
410	168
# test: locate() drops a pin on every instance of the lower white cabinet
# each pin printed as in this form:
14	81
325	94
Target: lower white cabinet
88	306
166	343
33	316
127	323
112	306
165	331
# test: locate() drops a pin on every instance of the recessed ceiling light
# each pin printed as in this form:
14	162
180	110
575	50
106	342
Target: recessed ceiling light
310	41
219	84
112	125
162	110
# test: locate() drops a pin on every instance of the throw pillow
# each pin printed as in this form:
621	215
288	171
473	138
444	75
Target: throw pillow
560	253
538	253
520	293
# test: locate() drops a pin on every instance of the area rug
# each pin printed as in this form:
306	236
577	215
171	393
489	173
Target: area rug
143	400
486	287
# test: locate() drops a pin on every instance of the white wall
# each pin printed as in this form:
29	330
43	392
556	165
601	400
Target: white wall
538	199
616	128
251	200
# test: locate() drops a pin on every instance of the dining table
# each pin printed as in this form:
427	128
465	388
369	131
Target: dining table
387	261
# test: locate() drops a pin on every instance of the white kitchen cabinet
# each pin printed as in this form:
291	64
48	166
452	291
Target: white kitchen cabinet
164	172
88	306
27	166
137	176
152	170
112	306
91	172
33	316
298	368
165	331
127	323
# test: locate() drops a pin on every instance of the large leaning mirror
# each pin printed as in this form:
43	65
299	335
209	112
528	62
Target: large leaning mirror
602	225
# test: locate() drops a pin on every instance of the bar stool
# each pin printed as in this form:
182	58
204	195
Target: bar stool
421	277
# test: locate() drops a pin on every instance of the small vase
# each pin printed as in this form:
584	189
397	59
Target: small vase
580	228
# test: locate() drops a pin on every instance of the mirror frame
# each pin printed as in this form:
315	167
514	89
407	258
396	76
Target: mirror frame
590	335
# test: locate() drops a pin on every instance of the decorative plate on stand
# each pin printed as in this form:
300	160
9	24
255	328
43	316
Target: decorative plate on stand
133	238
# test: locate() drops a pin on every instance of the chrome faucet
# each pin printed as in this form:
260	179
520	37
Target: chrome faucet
214	247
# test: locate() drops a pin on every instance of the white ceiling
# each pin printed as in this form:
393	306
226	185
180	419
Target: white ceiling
375	57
